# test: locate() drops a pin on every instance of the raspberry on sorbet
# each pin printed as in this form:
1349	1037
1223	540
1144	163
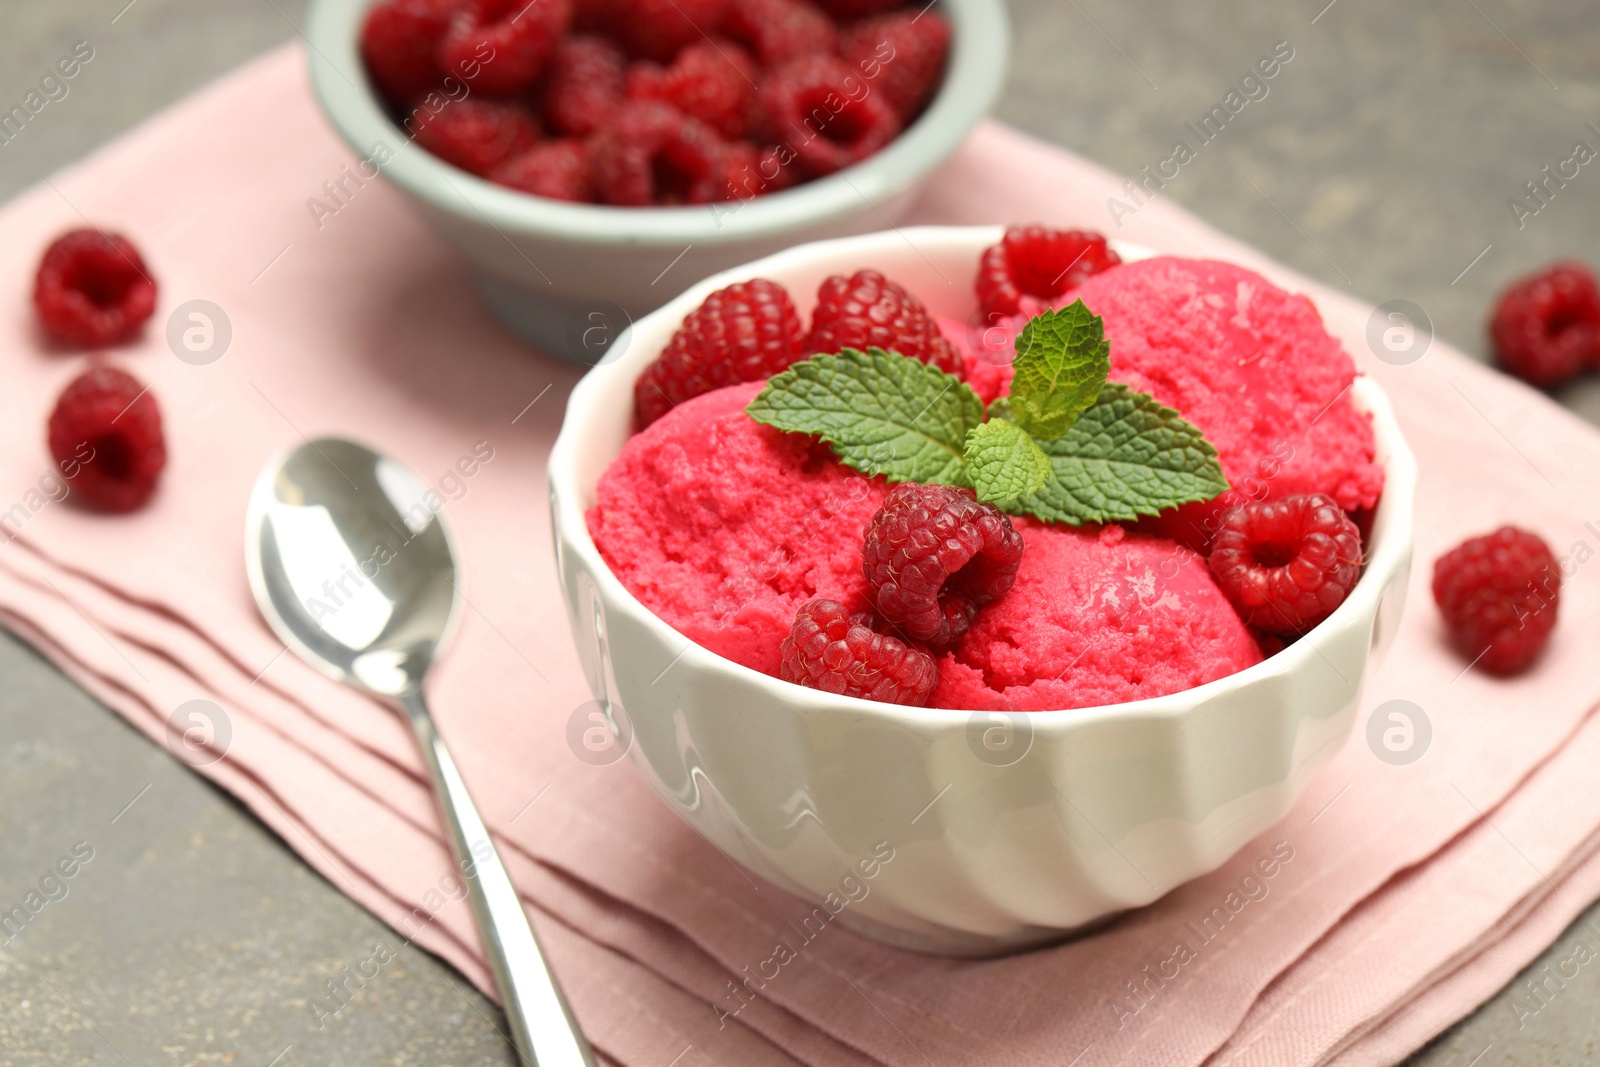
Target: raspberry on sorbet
867	310
1287	564
1038	262
743	333
934	555
831	649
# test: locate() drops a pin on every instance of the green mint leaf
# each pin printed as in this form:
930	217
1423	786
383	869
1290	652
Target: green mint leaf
1005	462
1062	362
881	412
1126	456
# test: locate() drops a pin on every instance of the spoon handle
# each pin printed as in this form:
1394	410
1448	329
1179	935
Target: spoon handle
542	1026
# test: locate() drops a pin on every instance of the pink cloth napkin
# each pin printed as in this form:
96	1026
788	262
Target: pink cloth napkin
1411	894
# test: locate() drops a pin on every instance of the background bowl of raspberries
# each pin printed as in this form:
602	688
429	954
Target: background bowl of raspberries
592	158
1007	827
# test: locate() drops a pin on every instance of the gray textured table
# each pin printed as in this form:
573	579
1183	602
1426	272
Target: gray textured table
1380	162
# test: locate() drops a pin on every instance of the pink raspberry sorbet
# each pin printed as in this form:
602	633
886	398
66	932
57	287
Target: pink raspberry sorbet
1250	364
724	527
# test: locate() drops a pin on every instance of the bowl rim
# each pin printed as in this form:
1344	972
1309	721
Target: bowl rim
1392	528
975	71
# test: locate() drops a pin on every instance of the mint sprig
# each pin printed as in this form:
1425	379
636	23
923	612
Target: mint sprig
1066	446
1127	456
1062	362
1005	462
881	412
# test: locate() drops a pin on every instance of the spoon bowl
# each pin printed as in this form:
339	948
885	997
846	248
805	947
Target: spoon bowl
358	567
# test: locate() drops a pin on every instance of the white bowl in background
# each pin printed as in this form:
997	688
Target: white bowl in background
1107	809
555	271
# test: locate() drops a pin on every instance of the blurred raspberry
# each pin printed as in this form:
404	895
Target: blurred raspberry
654	154
828	113
400	45
934	555
1038	262
1546	327
868	310
105	436
779	31
92	289
713	81
657	29
583	86
902	55
476	135
1499	595
506	41
745	332
830	649
850	10
559	169
1286	564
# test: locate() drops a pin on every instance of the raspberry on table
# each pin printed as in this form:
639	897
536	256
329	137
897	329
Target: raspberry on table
92	289
506	41
652	153
400	44
584	85
831	649
1038	262
933	556
1499	595
779	31
657	29
713	81
743	333
868	310
476	135
1546	327
1286	564
560	169
907	49
105	436
810	104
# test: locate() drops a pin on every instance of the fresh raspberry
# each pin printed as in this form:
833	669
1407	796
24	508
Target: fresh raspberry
657	29
830	649
713	81
1038	262
105	436
903	54
654	154
743	333
400	44
1499	595
779	31
867	310
559	169
828	113
1286	564
505	41
1546	327
851	10
476	135
934	555
92	289
584	85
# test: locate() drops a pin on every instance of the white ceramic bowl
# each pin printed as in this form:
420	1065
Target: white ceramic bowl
1006	831
569	276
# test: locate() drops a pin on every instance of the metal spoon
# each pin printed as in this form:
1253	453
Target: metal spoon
350	563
